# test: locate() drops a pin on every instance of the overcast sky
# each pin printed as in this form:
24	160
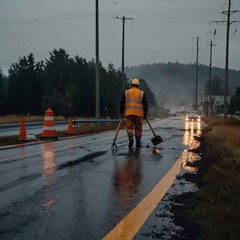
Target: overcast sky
160	31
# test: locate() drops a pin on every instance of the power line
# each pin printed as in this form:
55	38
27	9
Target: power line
90	14
188	2
165	20
169	2
140	41
112	36
168	8
46	19
170	21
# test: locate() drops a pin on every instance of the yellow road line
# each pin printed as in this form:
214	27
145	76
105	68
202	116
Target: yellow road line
130	225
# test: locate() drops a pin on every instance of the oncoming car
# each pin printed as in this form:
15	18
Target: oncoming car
192	116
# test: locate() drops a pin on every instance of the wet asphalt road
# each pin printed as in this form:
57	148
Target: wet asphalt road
78	188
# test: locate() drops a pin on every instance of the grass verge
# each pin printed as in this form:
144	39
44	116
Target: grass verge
217	212
17	119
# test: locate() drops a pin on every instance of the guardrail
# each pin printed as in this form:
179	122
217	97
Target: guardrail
74	121
79	121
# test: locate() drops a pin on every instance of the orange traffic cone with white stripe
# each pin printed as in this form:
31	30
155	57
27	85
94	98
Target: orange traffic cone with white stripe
48	128
70	126
23	134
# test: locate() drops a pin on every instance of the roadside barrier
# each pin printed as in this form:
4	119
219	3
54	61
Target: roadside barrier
22	134
48	128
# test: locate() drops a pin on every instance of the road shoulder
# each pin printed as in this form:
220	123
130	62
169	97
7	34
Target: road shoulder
172	218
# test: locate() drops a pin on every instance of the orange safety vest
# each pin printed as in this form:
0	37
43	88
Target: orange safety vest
133	102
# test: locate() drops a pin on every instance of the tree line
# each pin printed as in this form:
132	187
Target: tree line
65	84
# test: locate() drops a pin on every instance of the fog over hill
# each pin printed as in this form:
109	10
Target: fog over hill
176	82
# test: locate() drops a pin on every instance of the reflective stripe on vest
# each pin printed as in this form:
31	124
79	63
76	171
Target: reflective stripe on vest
133	102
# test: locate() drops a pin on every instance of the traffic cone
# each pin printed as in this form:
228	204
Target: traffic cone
48	128
23	134
70	126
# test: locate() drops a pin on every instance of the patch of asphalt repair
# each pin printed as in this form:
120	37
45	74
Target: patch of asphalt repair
67	164
168	220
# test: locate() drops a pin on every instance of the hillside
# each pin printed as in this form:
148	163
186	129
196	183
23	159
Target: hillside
176	82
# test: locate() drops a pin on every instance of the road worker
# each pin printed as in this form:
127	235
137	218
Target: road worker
134	106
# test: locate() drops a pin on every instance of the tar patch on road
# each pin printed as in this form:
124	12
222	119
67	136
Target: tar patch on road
83	159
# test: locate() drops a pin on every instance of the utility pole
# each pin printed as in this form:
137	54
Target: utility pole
196	101
123	40
210	79
226	61
97	65
229	22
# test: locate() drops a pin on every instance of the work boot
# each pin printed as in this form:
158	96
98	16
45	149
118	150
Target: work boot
138	141
130	137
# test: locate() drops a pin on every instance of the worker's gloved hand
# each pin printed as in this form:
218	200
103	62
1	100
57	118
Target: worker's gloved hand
145	116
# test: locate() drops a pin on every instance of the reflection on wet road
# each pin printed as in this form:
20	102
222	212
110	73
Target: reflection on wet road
49	165
190	130
79	187
127	177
